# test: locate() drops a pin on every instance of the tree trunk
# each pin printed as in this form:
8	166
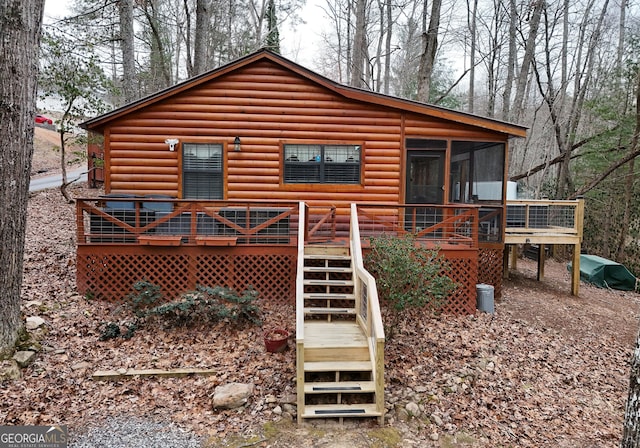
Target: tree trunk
631	431
387	47
125	9
527	60
511	61
20	22
471	23
428	57
359	46
202	31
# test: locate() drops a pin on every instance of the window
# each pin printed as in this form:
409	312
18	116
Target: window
202	171
325	164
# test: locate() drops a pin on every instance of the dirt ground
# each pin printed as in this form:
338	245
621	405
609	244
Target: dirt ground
547	369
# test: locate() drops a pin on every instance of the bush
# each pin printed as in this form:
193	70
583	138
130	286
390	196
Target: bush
210	304
408	275
203	305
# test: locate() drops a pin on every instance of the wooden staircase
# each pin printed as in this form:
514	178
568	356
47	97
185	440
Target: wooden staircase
336	369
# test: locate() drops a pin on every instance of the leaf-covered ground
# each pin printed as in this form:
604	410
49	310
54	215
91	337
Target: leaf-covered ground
547	369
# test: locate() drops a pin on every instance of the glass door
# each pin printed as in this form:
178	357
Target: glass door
425	177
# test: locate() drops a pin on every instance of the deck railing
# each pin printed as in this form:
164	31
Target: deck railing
444	225
173	222
545	216
368	309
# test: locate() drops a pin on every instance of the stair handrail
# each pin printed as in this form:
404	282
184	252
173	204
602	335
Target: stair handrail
302	236
372	322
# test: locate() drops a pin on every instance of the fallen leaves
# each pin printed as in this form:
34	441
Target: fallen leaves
547	369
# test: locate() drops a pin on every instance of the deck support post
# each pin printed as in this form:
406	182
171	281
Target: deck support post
514	257
575	270
505	261
541	257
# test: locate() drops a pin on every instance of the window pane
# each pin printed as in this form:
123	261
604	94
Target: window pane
322	164
202	171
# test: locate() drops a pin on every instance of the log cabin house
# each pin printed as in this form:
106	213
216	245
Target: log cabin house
262	172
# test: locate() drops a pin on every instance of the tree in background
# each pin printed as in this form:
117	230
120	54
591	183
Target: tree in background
78	80
20	23
273	35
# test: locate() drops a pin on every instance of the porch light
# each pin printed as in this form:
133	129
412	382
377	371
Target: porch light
236	144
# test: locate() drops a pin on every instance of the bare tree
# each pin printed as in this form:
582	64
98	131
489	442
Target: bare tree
429	49
20	22
201	38
125	10
358	59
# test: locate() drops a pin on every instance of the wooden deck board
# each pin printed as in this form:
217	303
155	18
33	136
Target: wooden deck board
340	410
323	334
340	387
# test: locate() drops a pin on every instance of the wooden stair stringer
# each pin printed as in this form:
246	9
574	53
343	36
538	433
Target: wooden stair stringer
337	371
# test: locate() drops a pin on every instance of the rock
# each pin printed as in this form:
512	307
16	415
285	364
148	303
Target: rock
413	409
434	436
277	410
403	415
24	358
270	399
436	419
84	365
291	409
287	416
9	370
34	322
232	395
290	398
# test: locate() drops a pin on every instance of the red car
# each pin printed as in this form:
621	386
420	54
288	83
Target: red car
43	120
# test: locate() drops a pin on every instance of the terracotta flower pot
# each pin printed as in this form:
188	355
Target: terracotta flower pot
275	340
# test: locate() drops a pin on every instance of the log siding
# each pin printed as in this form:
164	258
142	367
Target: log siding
269	102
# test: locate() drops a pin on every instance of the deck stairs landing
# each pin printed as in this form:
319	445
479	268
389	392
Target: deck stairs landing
337	373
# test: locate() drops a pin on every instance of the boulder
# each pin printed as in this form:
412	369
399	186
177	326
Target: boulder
24	358
9	370
34	322
232	395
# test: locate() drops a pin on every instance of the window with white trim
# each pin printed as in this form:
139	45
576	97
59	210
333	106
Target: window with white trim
324	164
202	171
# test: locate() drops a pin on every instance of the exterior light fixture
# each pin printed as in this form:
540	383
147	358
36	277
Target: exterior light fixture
236	144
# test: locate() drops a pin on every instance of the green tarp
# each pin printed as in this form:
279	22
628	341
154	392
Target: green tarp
605	273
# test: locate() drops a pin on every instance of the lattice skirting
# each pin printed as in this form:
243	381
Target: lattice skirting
108	272
464	271
490	269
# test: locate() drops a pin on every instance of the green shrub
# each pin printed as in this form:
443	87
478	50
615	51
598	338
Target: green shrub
144	295
408	275
210	304
203	305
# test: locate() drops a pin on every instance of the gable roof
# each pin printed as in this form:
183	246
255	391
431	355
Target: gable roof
512	130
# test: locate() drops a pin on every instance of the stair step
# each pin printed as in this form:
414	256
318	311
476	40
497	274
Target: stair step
327	257
326	269
327	296
317	310
340	387
338	366
321	282
340	410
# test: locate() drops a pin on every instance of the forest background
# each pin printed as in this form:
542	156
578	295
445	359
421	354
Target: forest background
567	70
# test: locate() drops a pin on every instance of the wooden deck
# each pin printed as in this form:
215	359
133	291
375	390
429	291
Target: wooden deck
544	222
